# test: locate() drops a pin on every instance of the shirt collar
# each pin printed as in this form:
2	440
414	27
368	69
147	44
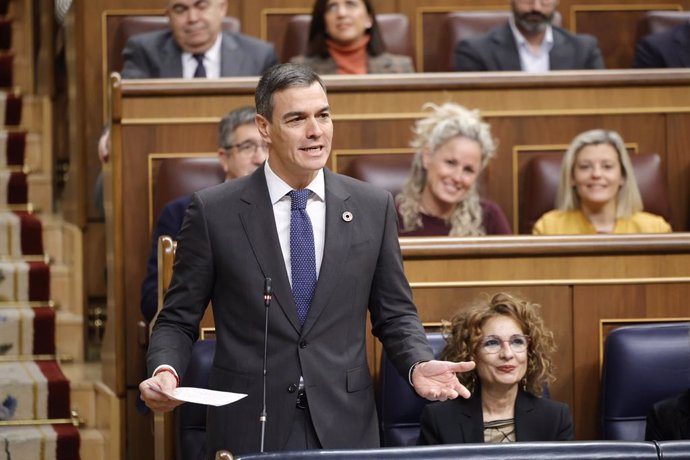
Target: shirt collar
278	188
522	42
211	55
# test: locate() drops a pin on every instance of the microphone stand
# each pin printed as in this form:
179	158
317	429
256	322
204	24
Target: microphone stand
268	295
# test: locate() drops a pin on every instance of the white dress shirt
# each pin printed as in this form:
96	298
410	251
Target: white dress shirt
316	209
211	61
530	60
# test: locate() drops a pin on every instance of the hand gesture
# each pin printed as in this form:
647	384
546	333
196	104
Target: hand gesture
436	380
152	392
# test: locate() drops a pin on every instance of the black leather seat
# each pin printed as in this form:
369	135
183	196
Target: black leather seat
642	365
191	418
399	406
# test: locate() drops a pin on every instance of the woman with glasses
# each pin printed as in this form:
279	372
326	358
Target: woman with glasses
506	337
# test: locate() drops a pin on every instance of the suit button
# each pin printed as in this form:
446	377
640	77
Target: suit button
292	388
303	344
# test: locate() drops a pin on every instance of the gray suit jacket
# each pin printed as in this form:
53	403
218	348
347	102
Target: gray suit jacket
157	55
461	420
227	245
383	63
497	50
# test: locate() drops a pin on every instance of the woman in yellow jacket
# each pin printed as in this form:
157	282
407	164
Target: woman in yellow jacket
598	192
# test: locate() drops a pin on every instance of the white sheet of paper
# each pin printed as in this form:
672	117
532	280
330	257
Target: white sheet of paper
203	396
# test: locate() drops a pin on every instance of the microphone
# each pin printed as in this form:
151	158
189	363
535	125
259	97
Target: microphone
268	295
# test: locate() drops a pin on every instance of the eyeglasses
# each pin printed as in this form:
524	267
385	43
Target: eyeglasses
517	342
247	148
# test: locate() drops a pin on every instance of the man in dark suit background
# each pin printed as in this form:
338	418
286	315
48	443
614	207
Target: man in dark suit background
346	264
195	44
528	42
240	151
670	48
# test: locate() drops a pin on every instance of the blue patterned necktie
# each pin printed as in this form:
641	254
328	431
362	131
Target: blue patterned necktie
302	257
200	69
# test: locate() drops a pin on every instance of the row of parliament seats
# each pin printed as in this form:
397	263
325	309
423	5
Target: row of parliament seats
642	364
394	27
539	182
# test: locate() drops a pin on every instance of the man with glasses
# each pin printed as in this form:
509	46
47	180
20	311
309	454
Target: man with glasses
240	151
528	42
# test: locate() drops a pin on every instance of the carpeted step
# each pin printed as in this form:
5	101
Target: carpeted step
27	331
21	234
10	102
45	442
12	148
33	390
24	281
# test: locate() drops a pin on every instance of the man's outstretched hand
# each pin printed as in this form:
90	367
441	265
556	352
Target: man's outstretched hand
436	380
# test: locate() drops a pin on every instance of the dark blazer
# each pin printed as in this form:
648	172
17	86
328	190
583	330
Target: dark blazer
461	420
383	63
669	420
157	55
168	223
497	50
670	48
227	246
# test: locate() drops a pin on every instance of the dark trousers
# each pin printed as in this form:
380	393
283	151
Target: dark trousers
302	433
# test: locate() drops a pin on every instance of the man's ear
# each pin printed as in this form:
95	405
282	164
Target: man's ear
223	160
264	127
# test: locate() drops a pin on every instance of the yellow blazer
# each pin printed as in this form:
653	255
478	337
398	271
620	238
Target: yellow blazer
558	222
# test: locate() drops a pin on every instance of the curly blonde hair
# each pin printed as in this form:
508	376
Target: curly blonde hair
443	124
464	338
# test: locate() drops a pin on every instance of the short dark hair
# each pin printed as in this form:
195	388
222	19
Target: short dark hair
231	121
281	77
317	31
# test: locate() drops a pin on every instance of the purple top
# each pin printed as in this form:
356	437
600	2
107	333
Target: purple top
493	219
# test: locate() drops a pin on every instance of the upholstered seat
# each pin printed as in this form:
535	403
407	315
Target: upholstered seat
542	175
183	176
191	418
642	365
398	405
394	27
388	171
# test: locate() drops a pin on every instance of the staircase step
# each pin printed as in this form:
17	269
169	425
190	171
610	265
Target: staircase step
92	444
40	191
69	335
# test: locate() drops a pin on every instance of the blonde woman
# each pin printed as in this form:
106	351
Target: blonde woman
598	192
453	146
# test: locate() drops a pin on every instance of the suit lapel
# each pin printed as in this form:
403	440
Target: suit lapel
525	421
471	419
506	52
682	43
171	59
561	55
336	246
231	57
259	224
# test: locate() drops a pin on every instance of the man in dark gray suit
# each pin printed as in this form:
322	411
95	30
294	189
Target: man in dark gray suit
670	48
529	42
195	46
237	234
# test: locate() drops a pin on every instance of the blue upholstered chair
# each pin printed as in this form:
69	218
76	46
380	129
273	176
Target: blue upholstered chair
399	406
190	420
642	365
